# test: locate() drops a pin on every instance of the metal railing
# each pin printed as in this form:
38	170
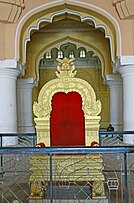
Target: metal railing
60	175
21	139
66	174
113	138
106	138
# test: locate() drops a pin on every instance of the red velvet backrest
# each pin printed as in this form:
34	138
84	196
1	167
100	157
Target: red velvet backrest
67	123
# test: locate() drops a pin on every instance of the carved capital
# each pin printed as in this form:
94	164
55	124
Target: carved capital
11	10
125	8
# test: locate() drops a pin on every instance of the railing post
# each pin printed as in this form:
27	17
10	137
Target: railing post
51	180
100	138
126	178
1	159
34	140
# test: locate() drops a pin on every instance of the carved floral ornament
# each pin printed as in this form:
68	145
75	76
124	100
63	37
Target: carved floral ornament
65	68
66	82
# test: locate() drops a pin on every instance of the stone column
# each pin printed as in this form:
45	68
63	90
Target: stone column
24	101
125	66
116	106
9	70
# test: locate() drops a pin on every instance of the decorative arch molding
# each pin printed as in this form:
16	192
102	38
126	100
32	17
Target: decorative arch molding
58	44
98	24
83	19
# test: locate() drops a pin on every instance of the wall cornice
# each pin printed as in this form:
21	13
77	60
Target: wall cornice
124	65
124	8
10	10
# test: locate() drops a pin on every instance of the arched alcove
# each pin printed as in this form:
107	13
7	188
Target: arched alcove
99	26
91	58
56	35
84	12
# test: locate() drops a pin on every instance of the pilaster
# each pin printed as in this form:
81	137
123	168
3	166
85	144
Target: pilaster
9	70
24	101
116	107
125	66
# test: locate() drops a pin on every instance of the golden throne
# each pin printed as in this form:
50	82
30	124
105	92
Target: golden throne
66	83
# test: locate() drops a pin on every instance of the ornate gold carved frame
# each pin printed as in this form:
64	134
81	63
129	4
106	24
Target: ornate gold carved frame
66	82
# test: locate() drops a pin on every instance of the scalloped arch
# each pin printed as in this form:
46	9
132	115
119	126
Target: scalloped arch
35	25
64	41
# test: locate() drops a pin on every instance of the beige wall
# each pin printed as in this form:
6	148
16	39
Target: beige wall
13	12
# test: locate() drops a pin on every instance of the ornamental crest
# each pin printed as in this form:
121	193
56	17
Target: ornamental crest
65	68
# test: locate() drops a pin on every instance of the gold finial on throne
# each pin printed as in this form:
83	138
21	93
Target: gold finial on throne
65	68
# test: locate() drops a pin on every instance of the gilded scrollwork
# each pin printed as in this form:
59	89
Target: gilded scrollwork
67	83
41	109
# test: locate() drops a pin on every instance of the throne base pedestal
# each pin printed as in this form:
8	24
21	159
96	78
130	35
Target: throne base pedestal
67	170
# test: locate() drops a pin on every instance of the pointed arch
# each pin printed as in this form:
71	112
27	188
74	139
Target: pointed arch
65	40
105	21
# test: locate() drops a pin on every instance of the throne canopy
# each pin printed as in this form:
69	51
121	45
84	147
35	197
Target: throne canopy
67	113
